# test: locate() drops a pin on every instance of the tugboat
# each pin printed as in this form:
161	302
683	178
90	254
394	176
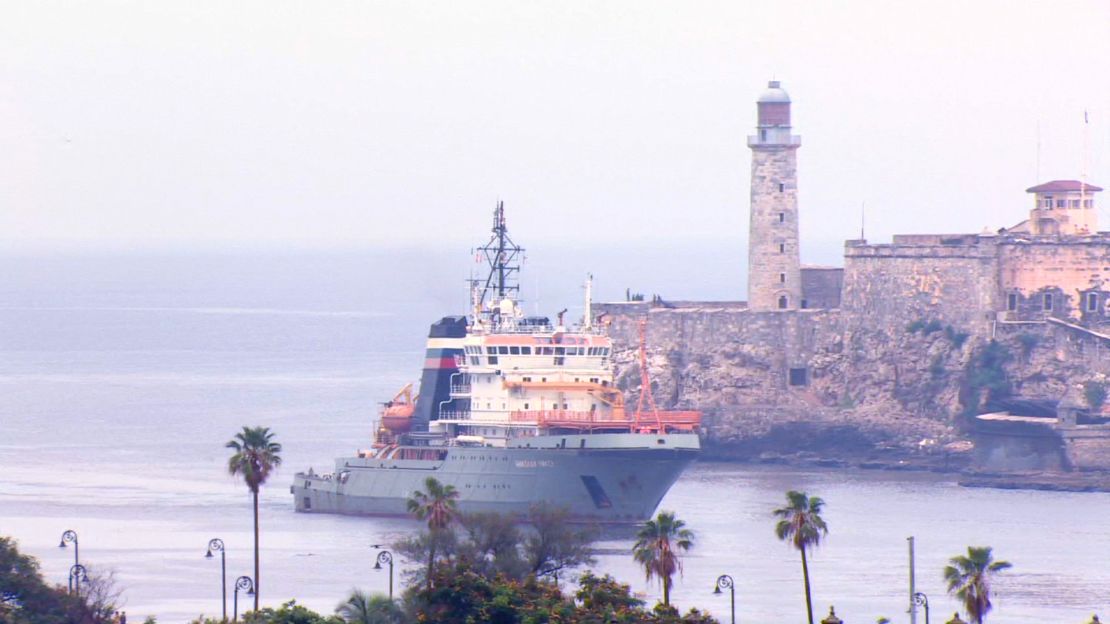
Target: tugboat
512	411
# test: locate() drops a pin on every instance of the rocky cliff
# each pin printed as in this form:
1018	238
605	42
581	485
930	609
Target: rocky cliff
835	387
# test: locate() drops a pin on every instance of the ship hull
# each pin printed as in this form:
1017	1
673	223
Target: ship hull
612	477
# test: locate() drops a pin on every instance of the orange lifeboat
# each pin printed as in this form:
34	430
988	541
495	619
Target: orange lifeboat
397	413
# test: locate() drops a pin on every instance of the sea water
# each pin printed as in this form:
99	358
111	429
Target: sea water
123	376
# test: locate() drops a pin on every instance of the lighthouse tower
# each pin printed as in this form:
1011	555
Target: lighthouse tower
774	263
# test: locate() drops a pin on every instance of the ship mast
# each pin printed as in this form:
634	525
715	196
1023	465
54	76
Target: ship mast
502	255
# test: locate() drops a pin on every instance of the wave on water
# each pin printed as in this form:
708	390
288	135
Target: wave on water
210	310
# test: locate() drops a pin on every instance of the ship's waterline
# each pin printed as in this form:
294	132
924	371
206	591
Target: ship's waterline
622	480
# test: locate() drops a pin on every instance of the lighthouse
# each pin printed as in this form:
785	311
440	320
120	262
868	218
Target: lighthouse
774	261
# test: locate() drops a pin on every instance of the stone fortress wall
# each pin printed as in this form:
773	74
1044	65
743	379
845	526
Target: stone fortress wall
886	358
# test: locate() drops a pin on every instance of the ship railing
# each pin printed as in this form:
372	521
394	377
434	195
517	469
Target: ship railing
550	416
546	329
669	420
454	415
460	389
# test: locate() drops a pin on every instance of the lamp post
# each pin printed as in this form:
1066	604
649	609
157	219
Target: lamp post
77	573
725	581
243	582
386	557
69	535
922	600
217	544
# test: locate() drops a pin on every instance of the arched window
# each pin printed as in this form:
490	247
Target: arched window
782	302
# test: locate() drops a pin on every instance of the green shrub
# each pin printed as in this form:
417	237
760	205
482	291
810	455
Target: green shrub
1028	342
986	372
957	338
1095	392
915	326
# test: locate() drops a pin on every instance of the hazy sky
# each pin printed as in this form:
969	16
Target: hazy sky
332	124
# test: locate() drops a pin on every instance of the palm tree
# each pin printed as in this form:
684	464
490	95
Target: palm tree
969	580
801	525
658	545
362	608
438	507
256	455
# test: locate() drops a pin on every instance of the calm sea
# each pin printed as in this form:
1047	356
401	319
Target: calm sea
122	376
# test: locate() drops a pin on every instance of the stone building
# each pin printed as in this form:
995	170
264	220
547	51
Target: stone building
888	352
1054	265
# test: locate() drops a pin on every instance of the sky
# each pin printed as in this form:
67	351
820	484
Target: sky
332	125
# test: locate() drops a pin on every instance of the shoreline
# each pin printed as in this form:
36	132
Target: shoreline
957	465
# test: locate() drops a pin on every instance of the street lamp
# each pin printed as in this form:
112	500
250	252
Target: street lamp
243	582
386	557
77	573
725	581
922	600
71	536
217	544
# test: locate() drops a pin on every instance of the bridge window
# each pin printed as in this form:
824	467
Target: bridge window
514	350
493	360
526	350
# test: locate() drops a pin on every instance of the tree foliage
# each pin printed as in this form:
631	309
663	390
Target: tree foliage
25	598
363	608
801	525
491	544
554	543
256	456
659	546
288	613
969	579
439	507
461	596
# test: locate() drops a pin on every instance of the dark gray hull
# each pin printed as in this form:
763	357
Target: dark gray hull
618	477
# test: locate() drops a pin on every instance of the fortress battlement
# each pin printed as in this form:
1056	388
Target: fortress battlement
898	342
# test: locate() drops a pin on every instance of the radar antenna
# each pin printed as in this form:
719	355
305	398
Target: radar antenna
502	255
